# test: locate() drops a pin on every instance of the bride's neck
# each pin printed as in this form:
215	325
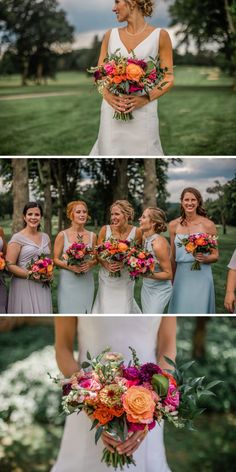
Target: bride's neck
135	23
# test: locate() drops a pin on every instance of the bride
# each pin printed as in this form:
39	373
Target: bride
148	335
139	136
115	294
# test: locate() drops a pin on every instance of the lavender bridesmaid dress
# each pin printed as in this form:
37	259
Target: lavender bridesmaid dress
27	296
3	289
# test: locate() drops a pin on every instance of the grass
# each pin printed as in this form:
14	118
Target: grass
196	117
226	248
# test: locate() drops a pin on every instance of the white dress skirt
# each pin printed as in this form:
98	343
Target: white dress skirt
115	294
137	137
78	452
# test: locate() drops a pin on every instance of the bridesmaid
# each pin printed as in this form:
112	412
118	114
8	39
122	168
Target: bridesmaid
193	290
116	294
75	291
230	299
3	289
28	296
156	288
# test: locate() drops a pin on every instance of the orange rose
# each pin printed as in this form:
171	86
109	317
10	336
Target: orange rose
139	405
50	268
190	247
2	262
141	255
122	247
134	72
118	79
103	414
200	242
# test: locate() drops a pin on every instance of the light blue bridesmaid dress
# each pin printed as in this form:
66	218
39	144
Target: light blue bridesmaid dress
155	294
75	292
193	290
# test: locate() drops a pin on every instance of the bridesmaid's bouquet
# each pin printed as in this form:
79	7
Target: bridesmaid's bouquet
123	398
196	243
113	250
2	262
78	253
139	262
128	75
41	270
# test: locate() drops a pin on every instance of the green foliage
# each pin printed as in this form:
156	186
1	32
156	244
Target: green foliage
206	22
31	28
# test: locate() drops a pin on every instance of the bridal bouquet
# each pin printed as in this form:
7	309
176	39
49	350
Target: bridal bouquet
127	75
122	398
113	250
2	262
198	242
78	253
139	262
41	270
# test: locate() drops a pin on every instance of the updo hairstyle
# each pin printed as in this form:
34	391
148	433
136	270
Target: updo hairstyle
158	217
145	6
125	207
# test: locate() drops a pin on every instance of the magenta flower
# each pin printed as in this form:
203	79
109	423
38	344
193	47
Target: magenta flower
138	62
135	88
140	427
131	373
148	370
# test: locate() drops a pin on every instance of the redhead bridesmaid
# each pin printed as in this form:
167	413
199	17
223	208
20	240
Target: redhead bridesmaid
76	284
28	296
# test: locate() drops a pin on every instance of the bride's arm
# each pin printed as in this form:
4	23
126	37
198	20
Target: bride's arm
166	60
65	333
166	341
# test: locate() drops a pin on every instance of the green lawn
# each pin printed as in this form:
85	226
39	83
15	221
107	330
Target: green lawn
226	248
196	117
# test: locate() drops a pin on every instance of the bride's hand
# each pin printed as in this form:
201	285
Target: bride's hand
118	102
133	102
109	442
76	269
132	443
112	266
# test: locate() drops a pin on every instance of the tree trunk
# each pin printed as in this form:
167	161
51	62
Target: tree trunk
24	74
223	222
149	183
20	187
199	337
45	178
121	186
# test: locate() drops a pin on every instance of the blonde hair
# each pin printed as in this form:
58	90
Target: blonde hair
71	206
158	217
125	207
146	6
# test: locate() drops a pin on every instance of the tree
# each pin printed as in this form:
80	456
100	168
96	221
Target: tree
37	30
206	22
44	170
20	191
223	208
149	183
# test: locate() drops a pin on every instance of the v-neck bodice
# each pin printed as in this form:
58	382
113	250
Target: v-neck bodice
149	46
29	248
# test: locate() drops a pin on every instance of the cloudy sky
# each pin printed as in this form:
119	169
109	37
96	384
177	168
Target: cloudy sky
199	173
95	17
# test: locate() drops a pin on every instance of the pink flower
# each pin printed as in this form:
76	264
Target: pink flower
153	75
135	88
172	399
109	68
90	384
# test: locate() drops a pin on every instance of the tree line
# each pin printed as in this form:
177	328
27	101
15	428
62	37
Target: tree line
36	37
100	181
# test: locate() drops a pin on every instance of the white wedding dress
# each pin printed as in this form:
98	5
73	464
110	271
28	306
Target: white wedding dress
115	294
78	452
137	137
